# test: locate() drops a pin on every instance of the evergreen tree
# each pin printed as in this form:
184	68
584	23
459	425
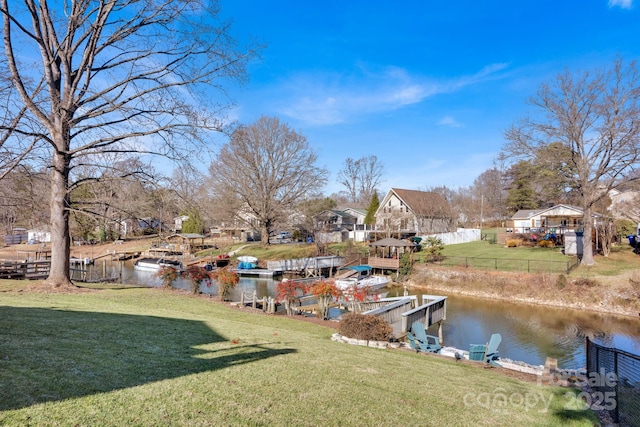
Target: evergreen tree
521	193
371	210
194	224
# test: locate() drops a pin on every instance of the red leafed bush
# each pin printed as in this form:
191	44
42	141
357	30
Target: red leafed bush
197	275
325	291
226	279
168	274
287	291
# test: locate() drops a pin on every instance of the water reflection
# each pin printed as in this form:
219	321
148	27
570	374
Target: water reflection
123	272
529	333
532	333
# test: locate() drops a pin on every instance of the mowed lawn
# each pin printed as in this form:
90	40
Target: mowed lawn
150	357
487	256
484	249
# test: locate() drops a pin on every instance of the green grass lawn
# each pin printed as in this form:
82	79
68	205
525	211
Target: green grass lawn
487	256
152	357
484	249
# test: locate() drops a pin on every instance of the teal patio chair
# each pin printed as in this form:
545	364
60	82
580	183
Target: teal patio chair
492	349
420	341
486	352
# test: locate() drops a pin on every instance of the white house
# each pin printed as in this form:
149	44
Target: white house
556	219
40	236
625	204
177	222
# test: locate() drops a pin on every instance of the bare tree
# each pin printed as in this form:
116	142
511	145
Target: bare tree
23	198
488	187
348	176
596	115
105	195
361	177
110	76
265	170
370	178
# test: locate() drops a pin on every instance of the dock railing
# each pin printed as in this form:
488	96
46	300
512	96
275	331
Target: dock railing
382	302
383	263
25	269
392	311
432	311
300	264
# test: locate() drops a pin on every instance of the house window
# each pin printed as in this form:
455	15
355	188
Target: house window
403	224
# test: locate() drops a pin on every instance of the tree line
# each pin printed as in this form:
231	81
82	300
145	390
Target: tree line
95	92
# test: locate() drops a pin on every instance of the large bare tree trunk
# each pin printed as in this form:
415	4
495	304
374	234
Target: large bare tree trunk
59	274
111	76
587	248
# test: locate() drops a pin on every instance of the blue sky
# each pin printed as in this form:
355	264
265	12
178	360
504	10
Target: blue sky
429	87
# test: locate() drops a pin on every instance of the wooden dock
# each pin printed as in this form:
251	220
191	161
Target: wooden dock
256	272
308	267
401	312
125	255
32	270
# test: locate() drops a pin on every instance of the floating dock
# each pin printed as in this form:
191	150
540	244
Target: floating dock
257	272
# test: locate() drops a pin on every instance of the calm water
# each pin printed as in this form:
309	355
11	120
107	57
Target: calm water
529	333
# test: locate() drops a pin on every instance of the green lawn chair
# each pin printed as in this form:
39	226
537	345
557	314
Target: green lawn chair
486	352
492	349
422	341
413	342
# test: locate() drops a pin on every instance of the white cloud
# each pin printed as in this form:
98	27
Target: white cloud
624	4
449	121
330	98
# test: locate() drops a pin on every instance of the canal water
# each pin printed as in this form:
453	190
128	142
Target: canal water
530	333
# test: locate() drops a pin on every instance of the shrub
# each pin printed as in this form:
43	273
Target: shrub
513	243
585	281
562	281
406	264
288	291
325	291
546	244
364	327
168	274
196	275
434	247
226	279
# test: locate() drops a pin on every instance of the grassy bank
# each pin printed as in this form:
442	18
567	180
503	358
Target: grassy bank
154	357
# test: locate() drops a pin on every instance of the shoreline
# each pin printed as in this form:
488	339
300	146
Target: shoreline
619	299
522	300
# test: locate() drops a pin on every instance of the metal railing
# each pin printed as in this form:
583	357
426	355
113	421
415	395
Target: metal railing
506	264
614	376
